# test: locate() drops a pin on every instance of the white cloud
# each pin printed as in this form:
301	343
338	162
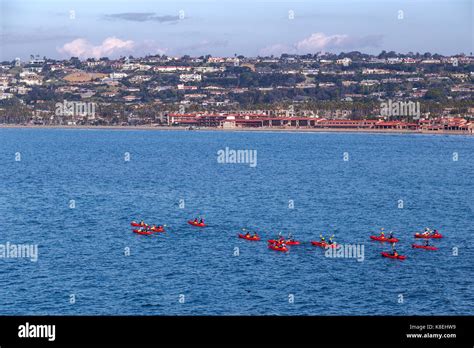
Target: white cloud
109	47
318	42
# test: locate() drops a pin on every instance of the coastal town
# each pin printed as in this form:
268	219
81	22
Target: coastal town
325	91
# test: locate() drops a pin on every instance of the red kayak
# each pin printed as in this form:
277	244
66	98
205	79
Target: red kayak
243	236
136	224
384	239
287	242
197	224
324	244
146	233
273	241
278	247
390	256
428	236
427	247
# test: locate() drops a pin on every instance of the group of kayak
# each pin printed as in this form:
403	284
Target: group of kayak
145	229
281	243
427	234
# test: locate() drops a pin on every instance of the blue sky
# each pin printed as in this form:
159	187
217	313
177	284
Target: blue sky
228	27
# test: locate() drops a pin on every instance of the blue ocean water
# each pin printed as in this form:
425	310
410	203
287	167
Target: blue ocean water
82	249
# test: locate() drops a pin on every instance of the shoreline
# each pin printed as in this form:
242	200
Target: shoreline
260	129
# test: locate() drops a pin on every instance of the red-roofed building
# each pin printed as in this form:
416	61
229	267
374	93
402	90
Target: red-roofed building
249	120
395	125
354	124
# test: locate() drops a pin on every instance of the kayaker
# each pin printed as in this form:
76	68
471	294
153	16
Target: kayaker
382	232
427	231
395	253
142	223
255	235
390	236
330	240
195	220
201	221
247	234
322	238
435	232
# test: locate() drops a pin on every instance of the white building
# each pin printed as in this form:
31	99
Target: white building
208	69
190	77
136	66
344	61
4	95
375	72
431	61
168	69
216	60
394	60
117	76
30	78
369	83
